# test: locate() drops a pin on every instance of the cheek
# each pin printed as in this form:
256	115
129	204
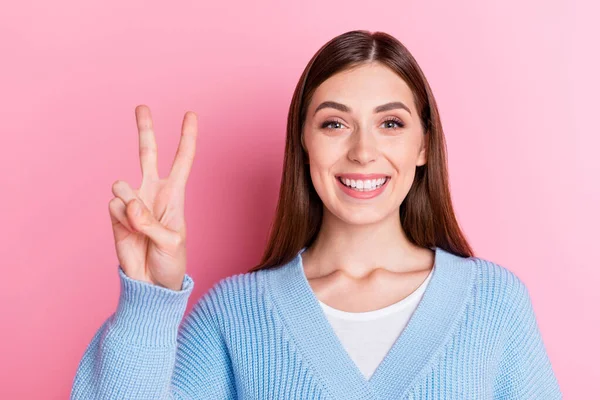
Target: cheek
319	176
324	153
321	166
402	154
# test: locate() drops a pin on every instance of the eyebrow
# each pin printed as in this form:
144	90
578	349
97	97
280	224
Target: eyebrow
344	108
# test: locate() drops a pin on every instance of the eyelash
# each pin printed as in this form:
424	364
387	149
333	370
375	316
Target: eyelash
391	119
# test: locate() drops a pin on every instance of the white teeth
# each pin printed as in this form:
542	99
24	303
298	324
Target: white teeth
364	186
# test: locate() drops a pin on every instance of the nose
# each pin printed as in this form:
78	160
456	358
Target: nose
363	148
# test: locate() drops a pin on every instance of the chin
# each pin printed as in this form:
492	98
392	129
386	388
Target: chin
356	216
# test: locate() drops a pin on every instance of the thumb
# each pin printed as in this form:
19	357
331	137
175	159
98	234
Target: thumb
143	221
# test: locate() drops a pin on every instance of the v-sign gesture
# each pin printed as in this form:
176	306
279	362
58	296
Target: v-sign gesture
151	245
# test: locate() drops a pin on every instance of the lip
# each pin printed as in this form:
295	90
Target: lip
362	176
361	195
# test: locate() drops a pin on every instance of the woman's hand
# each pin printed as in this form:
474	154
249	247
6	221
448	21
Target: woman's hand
151	246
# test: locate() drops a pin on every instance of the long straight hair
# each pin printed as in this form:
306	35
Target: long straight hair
426	214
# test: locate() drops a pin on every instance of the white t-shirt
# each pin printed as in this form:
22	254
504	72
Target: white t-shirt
368	336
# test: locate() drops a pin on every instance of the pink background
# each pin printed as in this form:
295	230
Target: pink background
516	90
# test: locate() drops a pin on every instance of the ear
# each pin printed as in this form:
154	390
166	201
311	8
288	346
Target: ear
422	158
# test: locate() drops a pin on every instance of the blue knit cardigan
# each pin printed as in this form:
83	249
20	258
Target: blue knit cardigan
263	335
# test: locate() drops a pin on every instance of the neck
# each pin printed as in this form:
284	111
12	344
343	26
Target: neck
358	250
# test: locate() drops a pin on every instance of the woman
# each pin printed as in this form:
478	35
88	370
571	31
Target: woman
368	289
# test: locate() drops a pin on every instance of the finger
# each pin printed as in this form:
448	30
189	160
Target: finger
144	222
122	190
118	213
147	140
184	158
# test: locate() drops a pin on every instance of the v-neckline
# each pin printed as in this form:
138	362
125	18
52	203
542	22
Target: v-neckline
439	310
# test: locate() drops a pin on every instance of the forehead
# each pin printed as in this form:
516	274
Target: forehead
364	87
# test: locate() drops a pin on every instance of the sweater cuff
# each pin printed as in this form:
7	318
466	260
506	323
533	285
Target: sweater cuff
148	314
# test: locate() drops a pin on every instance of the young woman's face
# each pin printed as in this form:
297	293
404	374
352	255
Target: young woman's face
359	123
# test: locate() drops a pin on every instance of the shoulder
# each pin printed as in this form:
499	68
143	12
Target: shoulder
500	288
236	285
234	295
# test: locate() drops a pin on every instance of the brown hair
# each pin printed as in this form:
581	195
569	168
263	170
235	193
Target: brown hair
426	214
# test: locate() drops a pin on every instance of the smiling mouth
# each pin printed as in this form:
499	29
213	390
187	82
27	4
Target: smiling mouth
364	185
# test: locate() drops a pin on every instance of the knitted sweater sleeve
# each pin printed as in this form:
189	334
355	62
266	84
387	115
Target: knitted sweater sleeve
525	370
145	351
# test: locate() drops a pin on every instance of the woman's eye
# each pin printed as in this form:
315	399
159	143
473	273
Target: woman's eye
399	123
330	122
